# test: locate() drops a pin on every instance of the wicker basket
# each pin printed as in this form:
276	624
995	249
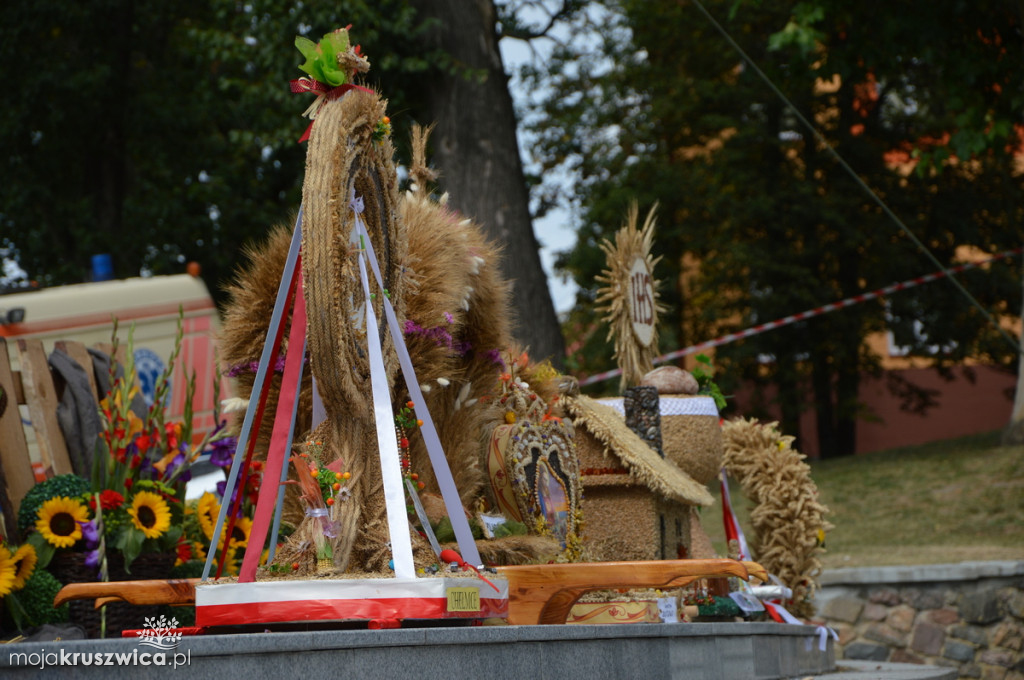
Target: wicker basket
69	567
691	436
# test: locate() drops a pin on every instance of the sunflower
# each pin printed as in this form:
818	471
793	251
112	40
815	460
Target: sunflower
60	521
208	510
24	564
240	534
7	570
150	514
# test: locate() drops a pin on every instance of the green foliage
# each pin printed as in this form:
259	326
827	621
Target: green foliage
703	373
649	102
69	485
444	532
36	599
168	132
510	528
322	58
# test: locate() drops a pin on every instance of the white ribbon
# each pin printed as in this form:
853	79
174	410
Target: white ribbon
672	406
390	465
449	493
822	631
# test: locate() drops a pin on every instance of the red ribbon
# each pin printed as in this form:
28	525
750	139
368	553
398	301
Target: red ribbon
302	85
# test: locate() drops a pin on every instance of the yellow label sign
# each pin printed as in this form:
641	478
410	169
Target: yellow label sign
463	599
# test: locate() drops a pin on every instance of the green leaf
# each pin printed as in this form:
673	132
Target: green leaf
13	605
129	542
44	549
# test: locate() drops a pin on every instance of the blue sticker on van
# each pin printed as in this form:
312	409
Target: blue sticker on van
149	367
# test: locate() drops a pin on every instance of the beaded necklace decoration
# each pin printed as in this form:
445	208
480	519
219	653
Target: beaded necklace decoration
405	422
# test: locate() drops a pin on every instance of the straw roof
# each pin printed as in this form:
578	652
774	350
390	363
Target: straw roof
644	464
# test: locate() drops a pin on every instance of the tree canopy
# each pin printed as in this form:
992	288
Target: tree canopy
159	132
165	132
757	221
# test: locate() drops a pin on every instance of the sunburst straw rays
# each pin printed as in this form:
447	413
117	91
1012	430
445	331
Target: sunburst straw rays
629	298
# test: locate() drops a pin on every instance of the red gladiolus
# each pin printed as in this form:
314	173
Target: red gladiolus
172	435
143	442
120	454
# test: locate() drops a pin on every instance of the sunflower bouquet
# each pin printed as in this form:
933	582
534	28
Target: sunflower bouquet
134	502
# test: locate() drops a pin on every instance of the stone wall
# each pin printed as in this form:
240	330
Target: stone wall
969	616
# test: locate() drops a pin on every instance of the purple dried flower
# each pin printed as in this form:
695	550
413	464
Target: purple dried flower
222	451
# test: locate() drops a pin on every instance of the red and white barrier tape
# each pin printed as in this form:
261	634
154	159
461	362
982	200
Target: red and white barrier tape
817	311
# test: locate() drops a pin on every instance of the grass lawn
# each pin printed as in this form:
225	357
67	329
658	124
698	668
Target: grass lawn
948	501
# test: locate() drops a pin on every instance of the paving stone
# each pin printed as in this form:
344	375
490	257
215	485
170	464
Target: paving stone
982	607
874	612
866	651
884	596
846	632
997	657
943	617
1015	604
1008	634
970	633
958	651
927	639
993	672
901	618
930	598
845	608
887	635
903	656
970	670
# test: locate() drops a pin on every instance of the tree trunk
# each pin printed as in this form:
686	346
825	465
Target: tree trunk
475	149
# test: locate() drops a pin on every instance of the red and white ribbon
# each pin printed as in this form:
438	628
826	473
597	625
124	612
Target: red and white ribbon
733	530
817	311
324	94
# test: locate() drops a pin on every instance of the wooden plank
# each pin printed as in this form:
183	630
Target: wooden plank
537	593
41	399
15	464
174	591
545	593
79	353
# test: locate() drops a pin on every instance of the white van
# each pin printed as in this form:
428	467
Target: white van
84	312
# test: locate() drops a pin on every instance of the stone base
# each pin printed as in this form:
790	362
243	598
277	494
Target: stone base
694	651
